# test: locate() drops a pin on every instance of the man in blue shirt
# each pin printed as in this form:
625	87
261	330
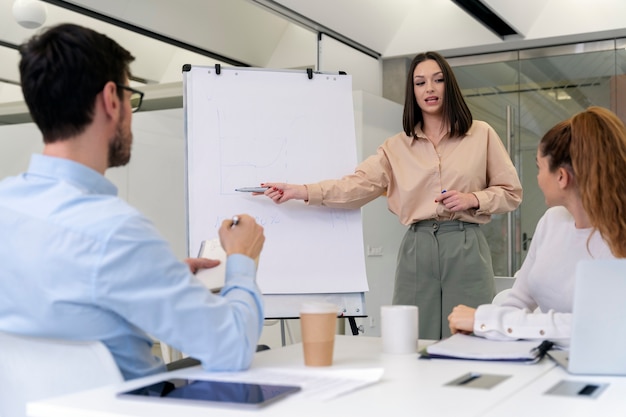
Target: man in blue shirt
80	263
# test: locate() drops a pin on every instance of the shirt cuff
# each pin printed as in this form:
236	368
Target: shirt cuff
315	194
488	323
240	269
482	201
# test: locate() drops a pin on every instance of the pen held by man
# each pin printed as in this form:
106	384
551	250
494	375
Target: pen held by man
246	238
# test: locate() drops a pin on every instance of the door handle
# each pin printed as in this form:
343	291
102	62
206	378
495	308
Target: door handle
525	241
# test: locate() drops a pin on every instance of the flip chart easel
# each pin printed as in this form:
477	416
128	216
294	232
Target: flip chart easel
244	126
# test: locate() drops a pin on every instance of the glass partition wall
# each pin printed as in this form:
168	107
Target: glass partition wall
524	93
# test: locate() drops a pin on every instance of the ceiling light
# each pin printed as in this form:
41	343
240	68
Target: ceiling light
30	14
487	17
559	95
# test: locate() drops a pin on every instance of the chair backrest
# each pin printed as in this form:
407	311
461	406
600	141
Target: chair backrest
36	368
503	282
499	298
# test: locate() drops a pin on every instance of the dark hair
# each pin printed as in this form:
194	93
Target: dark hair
455	110
592	144
62	69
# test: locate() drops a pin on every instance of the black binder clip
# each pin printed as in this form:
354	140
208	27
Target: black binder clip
218	69
309	73
543	348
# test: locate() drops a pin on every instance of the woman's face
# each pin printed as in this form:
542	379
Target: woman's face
548	181
429	87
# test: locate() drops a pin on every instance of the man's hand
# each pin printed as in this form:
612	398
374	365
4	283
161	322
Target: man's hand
246	237
196	264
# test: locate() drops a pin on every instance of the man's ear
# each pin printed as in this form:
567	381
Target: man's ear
110	100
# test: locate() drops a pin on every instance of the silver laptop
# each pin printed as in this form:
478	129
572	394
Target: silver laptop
598	341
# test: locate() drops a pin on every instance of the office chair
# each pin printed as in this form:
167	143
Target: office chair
501	296
35	368
185	361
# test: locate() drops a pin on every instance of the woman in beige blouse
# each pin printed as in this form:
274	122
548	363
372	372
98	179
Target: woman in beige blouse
443	176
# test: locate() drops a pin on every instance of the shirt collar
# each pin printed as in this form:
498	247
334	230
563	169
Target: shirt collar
83	177
419	133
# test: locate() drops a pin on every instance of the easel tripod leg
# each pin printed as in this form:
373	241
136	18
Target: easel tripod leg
282	332
353	327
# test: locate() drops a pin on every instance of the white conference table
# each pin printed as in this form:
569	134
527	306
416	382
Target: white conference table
408	387
534	400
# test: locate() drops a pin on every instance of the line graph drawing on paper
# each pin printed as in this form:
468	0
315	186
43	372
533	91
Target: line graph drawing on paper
262	153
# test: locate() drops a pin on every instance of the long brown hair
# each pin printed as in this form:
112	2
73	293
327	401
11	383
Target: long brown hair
593	144
455	110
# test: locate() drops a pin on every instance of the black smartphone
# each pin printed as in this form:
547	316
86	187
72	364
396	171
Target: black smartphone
215	392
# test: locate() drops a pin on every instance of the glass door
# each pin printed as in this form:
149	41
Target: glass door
556	83
490	85
521	95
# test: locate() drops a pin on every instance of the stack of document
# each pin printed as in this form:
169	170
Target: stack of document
461	346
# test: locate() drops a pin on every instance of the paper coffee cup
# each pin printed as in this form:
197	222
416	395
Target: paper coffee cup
318	322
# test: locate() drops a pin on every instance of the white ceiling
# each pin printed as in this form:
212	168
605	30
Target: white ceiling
245	31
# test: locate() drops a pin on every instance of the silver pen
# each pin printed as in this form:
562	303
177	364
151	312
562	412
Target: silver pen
252	189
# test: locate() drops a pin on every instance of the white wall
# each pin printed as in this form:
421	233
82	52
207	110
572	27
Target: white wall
376	119
153	181
17	143
297	49
366	72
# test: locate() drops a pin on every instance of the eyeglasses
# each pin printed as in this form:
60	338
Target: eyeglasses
136	97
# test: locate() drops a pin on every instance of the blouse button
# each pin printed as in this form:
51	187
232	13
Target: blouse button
509	330
541	332
483	327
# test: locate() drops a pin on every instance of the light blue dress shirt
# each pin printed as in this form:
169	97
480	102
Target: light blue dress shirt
77	262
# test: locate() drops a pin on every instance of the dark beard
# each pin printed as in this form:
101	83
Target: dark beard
119	148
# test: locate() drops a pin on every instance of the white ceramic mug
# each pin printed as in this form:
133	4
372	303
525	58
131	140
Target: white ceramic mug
399	329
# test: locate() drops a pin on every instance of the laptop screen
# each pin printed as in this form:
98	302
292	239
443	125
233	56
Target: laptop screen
598	340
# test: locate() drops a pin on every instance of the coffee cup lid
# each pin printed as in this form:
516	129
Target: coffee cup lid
318	307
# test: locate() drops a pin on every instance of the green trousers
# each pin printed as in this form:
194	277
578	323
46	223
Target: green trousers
442	264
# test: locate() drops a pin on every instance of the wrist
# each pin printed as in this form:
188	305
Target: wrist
477	206
305	193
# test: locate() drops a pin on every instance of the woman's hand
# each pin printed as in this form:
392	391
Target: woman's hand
281	192
456	201
461	320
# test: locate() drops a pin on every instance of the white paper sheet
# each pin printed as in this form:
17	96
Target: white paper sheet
316	384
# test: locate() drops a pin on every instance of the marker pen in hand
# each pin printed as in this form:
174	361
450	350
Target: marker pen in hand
235	221
252	189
